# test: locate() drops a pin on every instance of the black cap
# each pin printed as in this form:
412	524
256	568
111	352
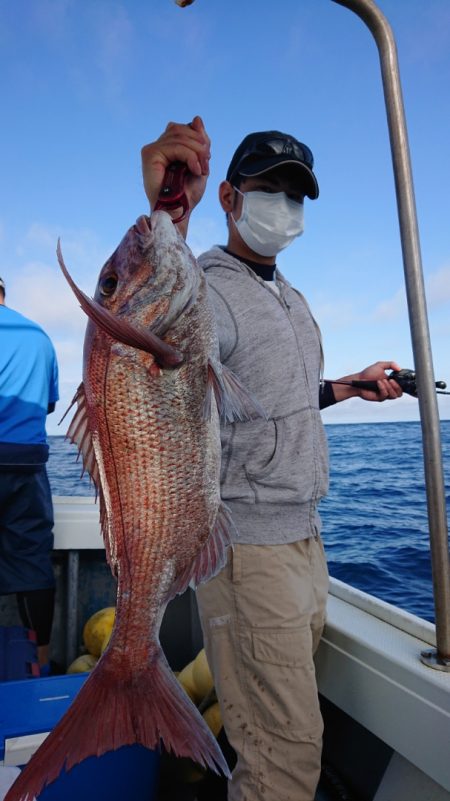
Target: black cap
262	151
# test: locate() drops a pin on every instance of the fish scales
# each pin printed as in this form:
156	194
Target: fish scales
147	426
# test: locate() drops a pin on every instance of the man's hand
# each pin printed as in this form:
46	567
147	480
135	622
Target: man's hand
189	144
387	389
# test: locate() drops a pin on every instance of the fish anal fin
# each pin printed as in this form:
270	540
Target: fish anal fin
211	557
234	402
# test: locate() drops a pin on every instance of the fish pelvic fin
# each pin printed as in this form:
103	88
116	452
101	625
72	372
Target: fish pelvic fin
212	556
146	708
234	403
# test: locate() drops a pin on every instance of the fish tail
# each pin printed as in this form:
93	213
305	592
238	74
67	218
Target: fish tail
147	708
91	726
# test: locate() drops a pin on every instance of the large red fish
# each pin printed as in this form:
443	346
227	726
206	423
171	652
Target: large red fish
147	425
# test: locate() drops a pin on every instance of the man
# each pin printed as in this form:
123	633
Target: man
28	392
263	615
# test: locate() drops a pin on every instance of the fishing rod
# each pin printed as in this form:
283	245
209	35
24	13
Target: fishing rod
381	31
406	379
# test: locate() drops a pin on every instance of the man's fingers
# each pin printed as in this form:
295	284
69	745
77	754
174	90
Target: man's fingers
389	389
154	156
188	143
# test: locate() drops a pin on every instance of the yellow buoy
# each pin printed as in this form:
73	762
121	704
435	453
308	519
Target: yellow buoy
186	679
213	718
105	642
82	664
202	676
97	628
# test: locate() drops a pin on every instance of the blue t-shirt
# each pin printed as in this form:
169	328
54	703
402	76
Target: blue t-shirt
28	379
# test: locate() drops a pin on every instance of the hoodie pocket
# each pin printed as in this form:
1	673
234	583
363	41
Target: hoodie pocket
281	460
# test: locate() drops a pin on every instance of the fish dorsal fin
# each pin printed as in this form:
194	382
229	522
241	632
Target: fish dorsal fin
80	434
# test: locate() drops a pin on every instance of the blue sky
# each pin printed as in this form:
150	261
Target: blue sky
85	84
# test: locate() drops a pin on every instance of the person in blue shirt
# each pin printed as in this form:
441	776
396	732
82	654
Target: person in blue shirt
28	392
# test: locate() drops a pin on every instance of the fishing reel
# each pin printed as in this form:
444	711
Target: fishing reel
406	379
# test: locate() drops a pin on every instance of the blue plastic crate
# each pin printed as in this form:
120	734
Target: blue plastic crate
18	654
34	707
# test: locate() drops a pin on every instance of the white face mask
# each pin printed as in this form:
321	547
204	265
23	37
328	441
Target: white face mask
269	222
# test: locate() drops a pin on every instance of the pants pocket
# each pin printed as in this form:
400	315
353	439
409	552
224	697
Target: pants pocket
282	682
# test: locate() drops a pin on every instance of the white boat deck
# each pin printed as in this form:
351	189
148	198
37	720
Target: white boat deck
369	666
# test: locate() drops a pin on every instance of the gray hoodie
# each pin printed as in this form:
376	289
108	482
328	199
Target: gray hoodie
273	472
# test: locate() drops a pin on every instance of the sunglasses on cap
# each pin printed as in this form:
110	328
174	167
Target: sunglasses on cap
278	147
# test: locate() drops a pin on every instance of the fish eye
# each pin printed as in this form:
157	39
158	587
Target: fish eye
108	285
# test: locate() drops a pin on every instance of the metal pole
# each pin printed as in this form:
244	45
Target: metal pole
73	564
434	477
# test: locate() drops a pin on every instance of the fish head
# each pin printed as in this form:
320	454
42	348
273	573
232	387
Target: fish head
151	276
143	289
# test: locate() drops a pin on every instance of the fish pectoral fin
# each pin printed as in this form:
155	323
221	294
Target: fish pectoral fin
234	403
212	556
121	330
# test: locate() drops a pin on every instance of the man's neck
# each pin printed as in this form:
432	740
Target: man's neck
265	271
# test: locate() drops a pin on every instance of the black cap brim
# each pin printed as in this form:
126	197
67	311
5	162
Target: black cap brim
308	179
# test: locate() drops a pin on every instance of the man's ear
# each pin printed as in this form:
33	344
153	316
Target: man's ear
226	196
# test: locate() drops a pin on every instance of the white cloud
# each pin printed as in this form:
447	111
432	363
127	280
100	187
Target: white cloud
114	46
355	410
203	233
83	253
334	315
41	235
52	17
70	358
392	308
438	287
437	292
37	289
42	293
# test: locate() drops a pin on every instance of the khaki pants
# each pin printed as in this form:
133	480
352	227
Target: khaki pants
262	619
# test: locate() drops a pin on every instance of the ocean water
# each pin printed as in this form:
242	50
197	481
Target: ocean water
375	525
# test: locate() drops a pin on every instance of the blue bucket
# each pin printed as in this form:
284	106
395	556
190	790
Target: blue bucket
128	774
30	707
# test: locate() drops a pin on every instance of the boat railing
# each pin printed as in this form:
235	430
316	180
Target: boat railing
377	23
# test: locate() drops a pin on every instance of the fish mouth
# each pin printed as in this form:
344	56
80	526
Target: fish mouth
143	225
119	329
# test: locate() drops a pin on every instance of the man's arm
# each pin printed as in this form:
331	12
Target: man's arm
186	143
386	388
